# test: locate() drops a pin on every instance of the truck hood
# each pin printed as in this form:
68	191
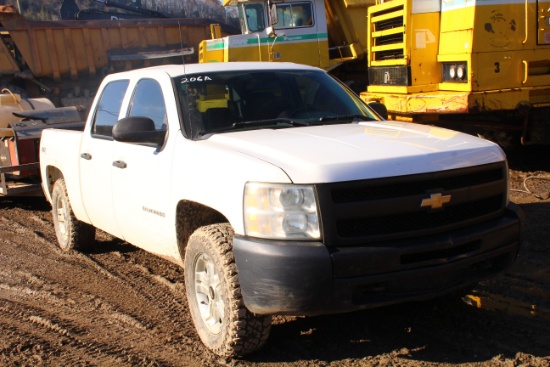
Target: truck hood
332	153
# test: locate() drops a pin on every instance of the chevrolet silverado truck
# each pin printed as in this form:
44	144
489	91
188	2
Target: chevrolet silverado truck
278	191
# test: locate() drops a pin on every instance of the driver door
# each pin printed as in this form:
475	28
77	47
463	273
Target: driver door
141	175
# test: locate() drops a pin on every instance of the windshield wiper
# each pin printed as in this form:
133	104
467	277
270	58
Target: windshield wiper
268	122
350	118
255	123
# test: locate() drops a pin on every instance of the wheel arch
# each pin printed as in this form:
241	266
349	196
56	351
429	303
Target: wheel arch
53	174
190	216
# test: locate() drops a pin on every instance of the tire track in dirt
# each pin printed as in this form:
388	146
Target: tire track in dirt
129	305
162	296
87	303
61	337
20	234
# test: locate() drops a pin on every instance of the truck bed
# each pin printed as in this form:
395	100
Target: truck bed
19	166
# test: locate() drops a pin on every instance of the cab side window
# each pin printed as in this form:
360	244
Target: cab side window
108	108
148	101
255	17
294	15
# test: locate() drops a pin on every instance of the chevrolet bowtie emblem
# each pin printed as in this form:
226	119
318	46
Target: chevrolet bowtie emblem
435	201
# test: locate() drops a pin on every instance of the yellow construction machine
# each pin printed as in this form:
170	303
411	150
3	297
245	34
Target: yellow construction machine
478	65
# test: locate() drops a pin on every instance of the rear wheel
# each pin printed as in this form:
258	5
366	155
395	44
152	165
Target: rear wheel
222	321
71	233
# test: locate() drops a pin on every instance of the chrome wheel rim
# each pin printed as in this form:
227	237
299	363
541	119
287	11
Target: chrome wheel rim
61	215
208	293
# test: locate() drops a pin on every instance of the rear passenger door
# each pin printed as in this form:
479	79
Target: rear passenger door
141	174
96	158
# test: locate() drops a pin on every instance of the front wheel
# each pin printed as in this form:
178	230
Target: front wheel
222	321
71	233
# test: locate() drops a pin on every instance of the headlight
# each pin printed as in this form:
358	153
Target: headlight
456	72
460	72
452	71
280	211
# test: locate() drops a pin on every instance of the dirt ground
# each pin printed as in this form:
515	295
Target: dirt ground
120	306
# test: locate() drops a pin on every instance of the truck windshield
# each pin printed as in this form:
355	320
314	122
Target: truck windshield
245	100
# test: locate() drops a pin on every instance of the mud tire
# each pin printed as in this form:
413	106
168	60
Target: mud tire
71	233
223	323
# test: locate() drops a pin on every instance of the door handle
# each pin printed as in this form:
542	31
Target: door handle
120	164
86	156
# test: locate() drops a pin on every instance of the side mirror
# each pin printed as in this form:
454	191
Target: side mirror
380	109
138	130
273	18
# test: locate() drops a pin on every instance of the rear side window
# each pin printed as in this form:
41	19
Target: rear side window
148	101
108	108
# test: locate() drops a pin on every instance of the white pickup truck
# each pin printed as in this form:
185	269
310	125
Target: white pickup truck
279	192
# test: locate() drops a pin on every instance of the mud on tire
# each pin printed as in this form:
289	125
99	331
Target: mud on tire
71	233
222	321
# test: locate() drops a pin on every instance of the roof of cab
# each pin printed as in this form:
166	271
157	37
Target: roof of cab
177	70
